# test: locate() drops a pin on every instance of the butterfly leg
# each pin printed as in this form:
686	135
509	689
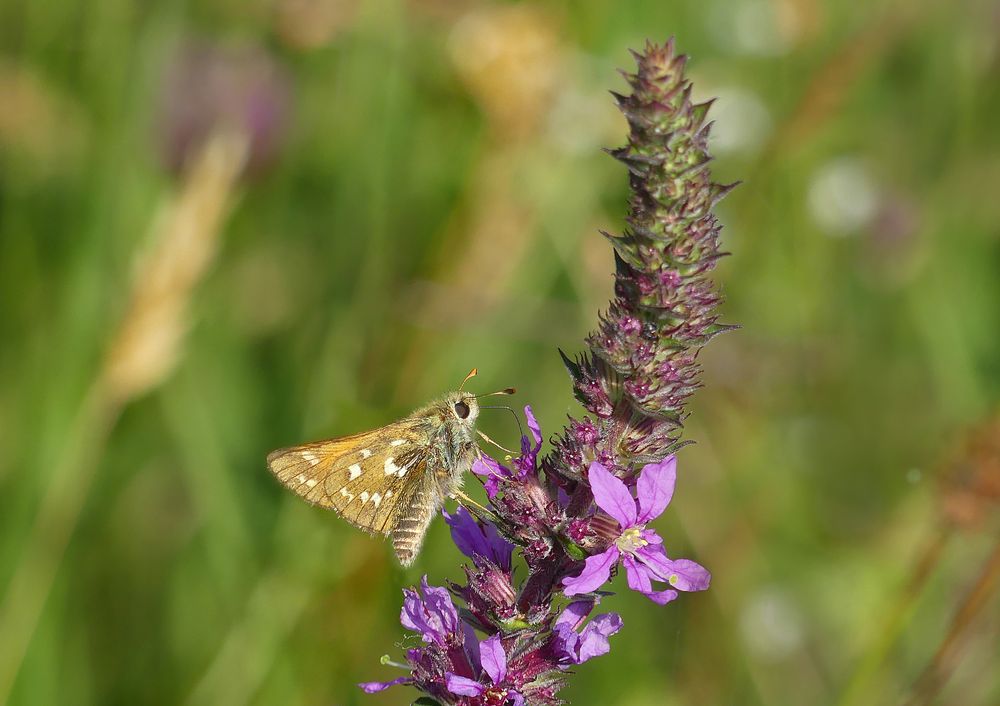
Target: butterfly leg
489	440
480	512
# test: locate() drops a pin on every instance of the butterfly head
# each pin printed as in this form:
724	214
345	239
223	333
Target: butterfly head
462	407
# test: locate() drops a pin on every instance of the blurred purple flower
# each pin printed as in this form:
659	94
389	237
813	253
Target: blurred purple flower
639	549
209	87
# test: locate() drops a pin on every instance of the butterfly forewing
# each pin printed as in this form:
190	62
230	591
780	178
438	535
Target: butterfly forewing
368	479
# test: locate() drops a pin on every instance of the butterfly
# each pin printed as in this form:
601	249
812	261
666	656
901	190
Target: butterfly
392	480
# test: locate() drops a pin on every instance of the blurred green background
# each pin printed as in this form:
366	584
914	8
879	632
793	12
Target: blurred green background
228	226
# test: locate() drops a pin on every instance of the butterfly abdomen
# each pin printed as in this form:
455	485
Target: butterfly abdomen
411	528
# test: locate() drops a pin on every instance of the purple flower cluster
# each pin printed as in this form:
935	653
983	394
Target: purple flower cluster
577	515
534	636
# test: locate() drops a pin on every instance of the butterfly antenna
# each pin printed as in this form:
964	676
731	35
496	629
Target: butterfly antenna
472	373
505	391
513	413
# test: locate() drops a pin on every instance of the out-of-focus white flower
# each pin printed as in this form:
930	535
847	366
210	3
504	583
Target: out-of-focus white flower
742	121
843	197
771	624
755	27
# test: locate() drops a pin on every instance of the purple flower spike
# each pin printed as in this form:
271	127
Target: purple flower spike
590	497
478	541
639	549
434	615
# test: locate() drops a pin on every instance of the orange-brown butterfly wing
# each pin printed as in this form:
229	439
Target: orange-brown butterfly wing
369	479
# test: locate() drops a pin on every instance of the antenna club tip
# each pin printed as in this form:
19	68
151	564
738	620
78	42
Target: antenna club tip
510	390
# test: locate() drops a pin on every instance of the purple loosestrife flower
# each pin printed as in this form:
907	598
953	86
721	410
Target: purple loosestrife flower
574	646
494	665
433	615
575	515
639	549
489	591
479	541
524	465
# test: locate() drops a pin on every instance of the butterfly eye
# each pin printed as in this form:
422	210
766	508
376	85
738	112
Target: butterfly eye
461	410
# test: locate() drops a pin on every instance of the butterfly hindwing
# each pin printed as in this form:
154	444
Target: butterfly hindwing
367	479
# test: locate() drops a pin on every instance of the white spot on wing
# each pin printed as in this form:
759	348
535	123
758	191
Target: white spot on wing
310	457
353	472
346	494
300	478
391	468
397	442
311	483
388	494
364	496
365	453
377	499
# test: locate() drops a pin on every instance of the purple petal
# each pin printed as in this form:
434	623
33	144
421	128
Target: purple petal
463	686
638	576
412	614
661	597
594	638
566	643
471	644
526	463
493	658
493	471
689	575
500	549
533	427
439	606
492	486
373	687
596	571
434	615
486	466
682	574
574	614
651	537
656	488
465	532
478	541
655	557
612	496
515	698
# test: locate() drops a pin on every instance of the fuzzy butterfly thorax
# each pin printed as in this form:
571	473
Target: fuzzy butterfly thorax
391	480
